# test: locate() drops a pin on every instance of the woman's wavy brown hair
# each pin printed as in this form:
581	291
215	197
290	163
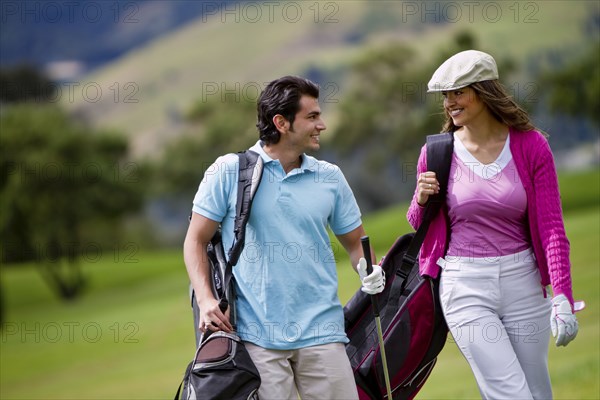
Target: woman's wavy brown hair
501	105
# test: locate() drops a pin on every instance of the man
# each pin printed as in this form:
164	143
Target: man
289	314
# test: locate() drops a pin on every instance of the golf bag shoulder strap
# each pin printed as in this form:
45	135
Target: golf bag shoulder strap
249	177
250	174
439	157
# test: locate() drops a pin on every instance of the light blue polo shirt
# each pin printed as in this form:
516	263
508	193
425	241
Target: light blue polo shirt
286	276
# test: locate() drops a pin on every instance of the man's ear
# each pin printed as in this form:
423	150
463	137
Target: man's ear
281	123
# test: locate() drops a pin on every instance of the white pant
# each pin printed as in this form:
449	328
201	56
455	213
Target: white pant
500	319
318	372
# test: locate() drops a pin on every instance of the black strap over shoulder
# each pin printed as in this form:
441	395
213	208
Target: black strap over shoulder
249	177
250	173
439	157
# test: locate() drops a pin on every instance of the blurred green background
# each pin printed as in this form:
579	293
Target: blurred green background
111	111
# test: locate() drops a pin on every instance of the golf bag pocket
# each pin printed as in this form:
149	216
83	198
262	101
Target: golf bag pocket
221	369
215	351
414	331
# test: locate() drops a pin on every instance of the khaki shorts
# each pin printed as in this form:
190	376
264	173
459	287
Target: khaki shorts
318	372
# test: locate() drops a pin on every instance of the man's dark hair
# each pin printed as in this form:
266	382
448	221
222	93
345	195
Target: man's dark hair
281	96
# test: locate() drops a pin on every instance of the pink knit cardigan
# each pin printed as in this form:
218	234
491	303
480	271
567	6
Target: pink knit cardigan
535	166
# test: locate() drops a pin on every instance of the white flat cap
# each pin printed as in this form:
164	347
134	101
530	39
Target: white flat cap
463	69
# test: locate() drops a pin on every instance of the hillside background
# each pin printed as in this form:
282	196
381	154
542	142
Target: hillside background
110	111
150	69
232	51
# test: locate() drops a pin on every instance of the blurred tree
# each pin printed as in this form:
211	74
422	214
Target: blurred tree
25	83
216	125
384	119
575	88
63	191
219	125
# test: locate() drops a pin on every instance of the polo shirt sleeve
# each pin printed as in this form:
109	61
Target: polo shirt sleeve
346	215
212	198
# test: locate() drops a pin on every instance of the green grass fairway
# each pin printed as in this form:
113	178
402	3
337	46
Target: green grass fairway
131	336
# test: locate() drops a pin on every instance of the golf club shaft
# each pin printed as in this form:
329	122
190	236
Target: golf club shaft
386	374
367	254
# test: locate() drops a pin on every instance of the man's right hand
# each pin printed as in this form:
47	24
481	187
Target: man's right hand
211	316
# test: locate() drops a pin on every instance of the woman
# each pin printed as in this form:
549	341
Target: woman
500	237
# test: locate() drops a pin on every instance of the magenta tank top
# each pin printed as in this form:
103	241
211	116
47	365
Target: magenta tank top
487	206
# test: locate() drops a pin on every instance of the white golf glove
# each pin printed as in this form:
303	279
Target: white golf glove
562	321
373	283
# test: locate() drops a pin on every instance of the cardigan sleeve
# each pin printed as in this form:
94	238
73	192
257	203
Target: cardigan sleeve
416	211
550	220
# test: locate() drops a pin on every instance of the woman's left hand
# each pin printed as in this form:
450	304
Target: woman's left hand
562	321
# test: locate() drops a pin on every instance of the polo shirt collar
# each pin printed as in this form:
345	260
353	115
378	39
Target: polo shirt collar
308	163
258	148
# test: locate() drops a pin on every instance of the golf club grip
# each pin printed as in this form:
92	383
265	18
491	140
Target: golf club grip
367	253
